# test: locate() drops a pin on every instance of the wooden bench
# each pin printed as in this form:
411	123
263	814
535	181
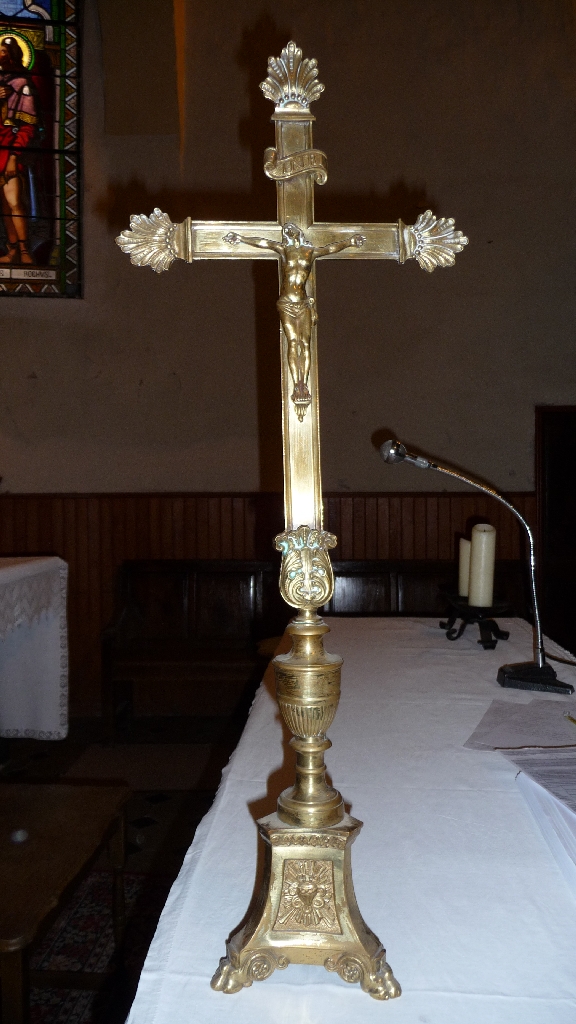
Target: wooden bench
201	622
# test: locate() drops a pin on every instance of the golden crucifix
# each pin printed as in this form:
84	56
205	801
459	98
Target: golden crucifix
307	911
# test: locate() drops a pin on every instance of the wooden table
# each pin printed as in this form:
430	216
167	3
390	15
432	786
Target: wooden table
67	826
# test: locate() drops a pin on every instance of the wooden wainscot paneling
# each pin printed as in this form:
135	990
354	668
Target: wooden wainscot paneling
421	526
95	533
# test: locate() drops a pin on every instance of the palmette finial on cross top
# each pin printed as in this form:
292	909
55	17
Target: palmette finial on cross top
307	910
292	80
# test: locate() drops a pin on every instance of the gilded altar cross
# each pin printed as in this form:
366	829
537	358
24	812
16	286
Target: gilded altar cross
306	911
295	166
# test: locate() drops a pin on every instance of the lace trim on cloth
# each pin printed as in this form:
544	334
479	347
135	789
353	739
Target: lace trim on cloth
28	589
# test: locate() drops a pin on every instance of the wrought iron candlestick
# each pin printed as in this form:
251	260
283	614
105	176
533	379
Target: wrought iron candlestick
307	911
490	632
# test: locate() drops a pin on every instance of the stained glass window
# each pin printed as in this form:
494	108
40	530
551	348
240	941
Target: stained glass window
39	148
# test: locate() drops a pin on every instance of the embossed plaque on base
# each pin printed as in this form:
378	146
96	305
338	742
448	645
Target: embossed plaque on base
306	913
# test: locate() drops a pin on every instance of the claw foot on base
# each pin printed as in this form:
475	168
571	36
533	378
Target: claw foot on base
232	977
374	974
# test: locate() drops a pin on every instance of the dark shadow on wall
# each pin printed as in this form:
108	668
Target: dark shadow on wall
255	133
121	199
255	129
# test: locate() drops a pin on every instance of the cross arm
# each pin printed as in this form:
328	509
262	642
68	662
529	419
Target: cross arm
156	242
432	241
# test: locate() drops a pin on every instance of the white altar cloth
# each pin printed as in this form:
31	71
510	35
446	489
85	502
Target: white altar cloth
33	648
450	870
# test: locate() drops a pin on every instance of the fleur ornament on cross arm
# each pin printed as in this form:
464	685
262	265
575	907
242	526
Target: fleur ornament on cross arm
432	241
150	241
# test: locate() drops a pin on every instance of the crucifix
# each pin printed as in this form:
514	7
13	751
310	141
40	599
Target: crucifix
307	911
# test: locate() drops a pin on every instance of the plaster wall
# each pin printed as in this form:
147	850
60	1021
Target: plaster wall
170	382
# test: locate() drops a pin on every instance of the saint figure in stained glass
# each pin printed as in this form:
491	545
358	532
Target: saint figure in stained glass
18	127
39	150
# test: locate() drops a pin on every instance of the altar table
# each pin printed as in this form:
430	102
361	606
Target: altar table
450	869
33	648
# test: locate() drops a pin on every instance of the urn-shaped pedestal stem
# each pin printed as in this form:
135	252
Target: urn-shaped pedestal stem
308	691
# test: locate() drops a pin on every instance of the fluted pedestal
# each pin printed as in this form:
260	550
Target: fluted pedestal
306	911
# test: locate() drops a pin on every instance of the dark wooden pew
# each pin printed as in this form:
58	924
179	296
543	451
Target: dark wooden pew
192	621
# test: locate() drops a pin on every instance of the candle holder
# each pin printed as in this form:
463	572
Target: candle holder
490	632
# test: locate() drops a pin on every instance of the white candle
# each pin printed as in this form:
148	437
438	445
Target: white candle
464	568
482	555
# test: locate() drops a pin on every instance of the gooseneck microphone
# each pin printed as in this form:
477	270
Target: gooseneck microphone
529	675
393	451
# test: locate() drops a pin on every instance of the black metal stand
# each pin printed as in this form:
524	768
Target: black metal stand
490	631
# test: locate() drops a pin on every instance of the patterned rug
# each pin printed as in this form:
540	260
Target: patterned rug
81	939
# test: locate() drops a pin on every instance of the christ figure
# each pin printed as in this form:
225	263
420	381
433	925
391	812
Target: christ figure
296	309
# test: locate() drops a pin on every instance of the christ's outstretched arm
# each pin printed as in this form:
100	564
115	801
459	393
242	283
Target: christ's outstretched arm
356	241
233	238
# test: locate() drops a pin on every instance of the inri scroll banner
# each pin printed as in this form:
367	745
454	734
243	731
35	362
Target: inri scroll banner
39	148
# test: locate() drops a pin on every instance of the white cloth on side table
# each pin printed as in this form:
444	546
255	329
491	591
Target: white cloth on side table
450	869
33	648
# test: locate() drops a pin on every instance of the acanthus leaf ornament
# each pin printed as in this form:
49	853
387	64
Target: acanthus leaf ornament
150	241
433	242
291	80
306	578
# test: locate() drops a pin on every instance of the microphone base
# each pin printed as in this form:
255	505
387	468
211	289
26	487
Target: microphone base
528	675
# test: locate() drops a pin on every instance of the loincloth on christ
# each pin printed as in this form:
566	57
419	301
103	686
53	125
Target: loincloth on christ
296	310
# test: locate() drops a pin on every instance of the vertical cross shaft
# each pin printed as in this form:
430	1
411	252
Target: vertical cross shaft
302	479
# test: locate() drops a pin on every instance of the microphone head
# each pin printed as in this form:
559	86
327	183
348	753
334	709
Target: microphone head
393	451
